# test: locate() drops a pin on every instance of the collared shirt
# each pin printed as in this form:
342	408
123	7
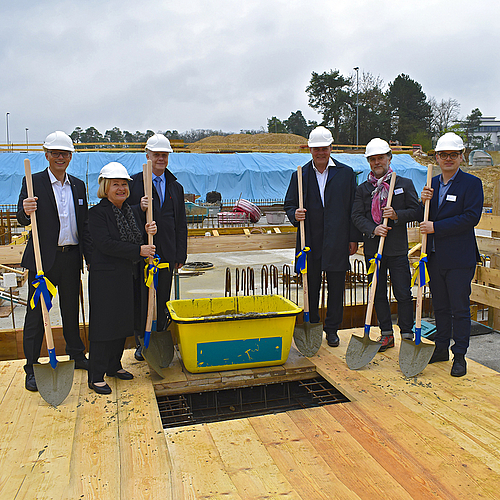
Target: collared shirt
159	184
322	178
444	188
68	232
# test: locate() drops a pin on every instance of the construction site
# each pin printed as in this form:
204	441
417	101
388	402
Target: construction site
294	426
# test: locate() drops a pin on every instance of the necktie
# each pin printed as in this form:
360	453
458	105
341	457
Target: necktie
158	181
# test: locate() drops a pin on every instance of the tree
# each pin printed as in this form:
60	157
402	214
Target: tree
114	135
443	114
297	124
329	94
374	112
76	135
276	126
470	125
411	113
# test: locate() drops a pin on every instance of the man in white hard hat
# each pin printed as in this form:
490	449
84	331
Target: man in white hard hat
368	212
329	188
60	203
455	209
170	215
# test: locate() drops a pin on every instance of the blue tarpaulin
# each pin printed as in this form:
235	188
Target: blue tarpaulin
253	176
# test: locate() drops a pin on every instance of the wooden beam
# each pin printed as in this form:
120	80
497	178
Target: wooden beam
488	275
11	254
485	295
487	245
241	243
489	222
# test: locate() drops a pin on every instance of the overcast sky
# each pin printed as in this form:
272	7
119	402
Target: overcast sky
228	65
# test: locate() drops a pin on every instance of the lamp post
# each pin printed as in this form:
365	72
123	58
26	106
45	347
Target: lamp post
27	142
357	105
7	121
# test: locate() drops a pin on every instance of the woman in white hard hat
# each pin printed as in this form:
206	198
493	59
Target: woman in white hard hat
118	250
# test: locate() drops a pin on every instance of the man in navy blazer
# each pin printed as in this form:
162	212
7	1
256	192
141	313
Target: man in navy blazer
60	202
329	188
455	208
169	212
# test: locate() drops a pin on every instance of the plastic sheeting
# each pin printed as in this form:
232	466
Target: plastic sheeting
253	176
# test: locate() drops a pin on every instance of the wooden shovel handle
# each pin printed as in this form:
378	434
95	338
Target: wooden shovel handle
418	307
38	258
302	227
373	288
147	176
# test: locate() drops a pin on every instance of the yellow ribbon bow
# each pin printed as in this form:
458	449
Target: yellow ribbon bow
44	287
420	269
151	271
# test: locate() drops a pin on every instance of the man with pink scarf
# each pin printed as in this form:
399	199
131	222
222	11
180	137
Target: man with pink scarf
368	212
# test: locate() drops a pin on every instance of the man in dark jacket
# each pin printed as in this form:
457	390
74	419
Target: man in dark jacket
170	215
329	188
368	212
456	207
60	202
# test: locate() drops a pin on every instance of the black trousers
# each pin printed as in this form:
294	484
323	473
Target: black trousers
105	357
65	274
335	286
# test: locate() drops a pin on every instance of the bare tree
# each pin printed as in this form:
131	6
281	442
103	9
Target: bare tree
444	114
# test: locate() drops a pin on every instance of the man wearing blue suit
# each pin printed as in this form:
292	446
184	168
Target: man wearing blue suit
456	207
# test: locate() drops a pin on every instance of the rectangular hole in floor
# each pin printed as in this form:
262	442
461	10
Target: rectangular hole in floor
227	404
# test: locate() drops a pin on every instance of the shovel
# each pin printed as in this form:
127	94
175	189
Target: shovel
308	336
157	347
414	356
361	350
55	379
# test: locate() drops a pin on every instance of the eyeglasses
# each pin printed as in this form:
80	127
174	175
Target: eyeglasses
60	154
451	156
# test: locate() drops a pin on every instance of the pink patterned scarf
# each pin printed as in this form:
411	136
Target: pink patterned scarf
379	194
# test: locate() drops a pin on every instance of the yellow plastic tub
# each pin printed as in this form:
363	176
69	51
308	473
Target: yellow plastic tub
229	333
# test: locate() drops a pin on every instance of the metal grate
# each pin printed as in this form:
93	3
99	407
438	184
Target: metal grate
204	407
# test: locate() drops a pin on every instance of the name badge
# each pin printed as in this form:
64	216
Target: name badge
451	197
80	201
398	191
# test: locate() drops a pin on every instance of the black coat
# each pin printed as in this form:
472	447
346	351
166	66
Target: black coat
112	269
171	236
405	203
48	220
338	231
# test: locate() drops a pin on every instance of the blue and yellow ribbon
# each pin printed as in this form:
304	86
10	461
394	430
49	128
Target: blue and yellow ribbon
421	271
375	266
151	271
44	287
301	257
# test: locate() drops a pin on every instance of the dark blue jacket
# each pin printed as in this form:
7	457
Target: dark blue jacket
454	241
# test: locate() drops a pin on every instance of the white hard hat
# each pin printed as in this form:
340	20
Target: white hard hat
59	140
158	142
114	170
319	138
450	142
377	147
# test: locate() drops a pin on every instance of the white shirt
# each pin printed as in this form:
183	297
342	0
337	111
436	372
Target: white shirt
322	178
68	232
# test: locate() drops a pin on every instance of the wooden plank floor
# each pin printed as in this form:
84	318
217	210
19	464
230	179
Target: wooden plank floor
429	437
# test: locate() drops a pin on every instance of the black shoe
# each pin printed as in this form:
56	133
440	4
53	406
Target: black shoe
105	389
138	353
332	339
125	375
440	354
459	368
30	382
82	364
387	342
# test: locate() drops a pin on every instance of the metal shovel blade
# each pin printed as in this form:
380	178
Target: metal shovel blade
308	338
160	351
414	358
360	351
54	384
